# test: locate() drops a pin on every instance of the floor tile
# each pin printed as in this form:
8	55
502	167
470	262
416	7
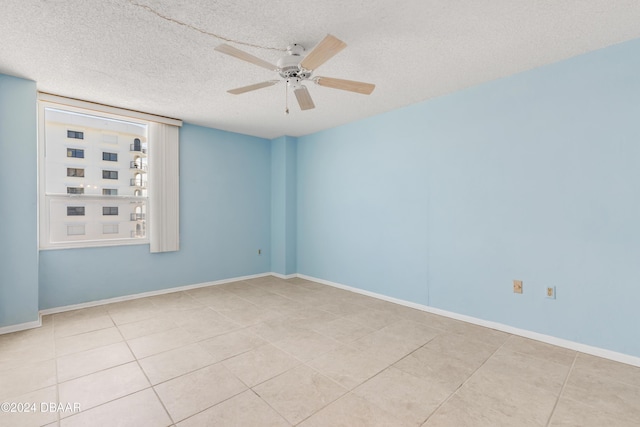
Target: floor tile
516	398
375	319
389	347
173	363
175	301
604	393
90	361
298	393
260	364
519	367
204	323
194	392
225	301
146	327
568	413
457	346
245	409
597	366
343	330
277	329
80	321
437	367
352	411
132	311
35	415
251	315
231	344
349	366
101	387
466	412
473	332
14	356
405	396
139	409
307	345
541	350
27	378
149	345
87	341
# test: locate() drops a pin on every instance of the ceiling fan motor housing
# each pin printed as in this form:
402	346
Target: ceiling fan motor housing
289	64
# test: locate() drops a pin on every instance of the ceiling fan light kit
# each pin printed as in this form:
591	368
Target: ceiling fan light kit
294	68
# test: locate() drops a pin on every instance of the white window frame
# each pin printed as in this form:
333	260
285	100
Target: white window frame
53	101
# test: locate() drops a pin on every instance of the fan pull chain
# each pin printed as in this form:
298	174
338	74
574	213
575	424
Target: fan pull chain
286	97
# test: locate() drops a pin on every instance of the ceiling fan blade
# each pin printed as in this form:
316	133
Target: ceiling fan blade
325	50
350	85
304	99
239	90
240	54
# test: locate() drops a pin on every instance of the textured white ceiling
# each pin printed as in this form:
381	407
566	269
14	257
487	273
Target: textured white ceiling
122	53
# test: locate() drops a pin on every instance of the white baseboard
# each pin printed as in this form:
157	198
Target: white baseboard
283	276
560	342
21	326
147	294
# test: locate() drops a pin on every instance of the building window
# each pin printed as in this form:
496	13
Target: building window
109	174
75	152
110	229
109	210
75	172
110	157
75	190
75	134
75	230
109	191
75	210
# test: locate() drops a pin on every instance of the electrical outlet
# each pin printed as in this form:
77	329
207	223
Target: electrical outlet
551	292
517	286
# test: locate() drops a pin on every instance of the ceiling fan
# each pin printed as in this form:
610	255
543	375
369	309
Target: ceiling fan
294	68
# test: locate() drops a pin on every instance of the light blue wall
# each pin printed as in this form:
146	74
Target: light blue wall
224	220
283	205
18	202
533	177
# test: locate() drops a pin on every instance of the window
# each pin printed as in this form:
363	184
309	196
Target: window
110	229
109	174
75	190
75	210
75	134
75	230
75	172
75	152
109	210
77	206
110	157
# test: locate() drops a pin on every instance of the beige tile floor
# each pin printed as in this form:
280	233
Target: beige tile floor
271	352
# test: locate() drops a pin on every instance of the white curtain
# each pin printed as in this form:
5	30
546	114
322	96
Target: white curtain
164	197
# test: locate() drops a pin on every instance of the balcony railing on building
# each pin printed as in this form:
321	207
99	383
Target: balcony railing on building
138	183
137	217
137	233
136	166
138	149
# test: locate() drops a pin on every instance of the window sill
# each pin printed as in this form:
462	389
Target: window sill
94	244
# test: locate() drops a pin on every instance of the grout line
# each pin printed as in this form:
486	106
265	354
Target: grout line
143	373
465	381
564	384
